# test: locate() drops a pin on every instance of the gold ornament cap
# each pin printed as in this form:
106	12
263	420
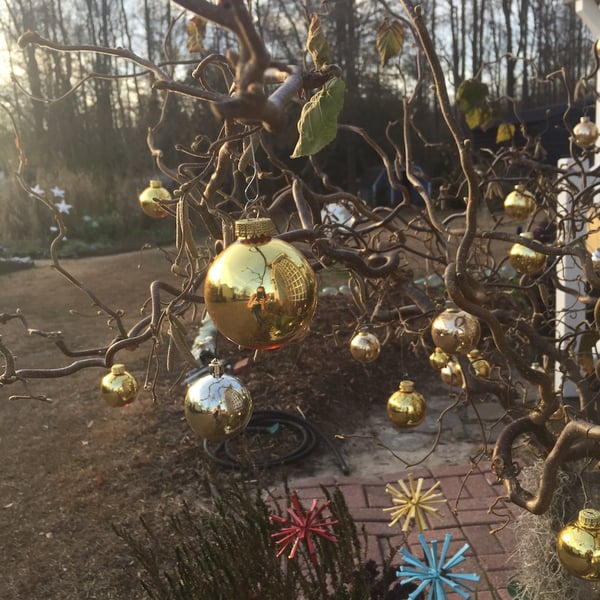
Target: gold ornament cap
589	517
117	369
407	385
253	229
155	183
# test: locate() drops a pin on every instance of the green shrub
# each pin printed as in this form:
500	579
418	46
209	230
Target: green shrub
229	554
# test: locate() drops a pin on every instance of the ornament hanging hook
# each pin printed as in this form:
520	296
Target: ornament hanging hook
251	201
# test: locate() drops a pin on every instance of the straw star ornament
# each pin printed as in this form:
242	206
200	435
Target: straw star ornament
302	526
412	503
435	571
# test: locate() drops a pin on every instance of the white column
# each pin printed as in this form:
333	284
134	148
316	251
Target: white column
569	310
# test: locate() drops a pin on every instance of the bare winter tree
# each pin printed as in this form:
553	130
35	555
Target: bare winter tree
255	96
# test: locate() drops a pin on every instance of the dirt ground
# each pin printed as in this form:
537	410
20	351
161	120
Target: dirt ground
74	467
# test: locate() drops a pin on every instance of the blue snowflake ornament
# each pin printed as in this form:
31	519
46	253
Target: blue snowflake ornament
436	572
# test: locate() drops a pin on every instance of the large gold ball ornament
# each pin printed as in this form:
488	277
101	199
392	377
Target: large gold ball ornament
217	406
455	331
260	292
585	133
481	367
118	388
365	346
578	545
519	204
451	374
147	199
525	260
406	407
438	359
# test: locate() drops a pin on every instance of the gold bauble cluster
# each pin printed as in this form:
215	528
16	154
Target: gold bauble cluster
456	332
578	545
118	388
148	199
260	292
217	406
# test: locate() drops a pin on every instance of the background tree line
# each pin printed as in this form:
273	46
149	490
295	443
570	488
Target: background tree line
83	117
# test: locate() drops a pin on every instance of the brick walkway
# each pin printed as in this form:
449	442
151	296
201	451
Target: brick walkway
471	522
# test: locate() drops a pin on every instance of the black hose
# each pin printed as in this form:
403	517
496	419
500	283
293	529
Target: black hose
268	423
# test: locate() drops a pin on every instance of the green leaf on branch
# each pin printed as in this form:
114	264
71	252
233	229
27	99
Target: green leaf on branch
389	40
472	94
505	133
317	125
316	43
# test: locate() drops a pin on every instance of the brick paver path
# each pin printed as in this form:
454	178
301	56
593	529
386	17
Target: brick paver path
467	517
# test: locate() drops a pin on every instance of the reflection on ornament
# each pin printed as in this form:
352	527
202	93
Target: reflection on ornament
524	259
519	204
260	292
451	374
147	199
578	545
455	331
365	346
438	359
481	367
405	407
217	406
585	133
118	388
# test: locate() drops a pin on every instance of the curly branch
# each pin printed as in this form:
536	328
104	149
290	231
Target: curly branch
577	440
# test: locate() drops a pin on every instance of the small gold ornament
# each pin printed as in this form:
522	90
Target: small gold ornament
451	374
585	133
118	388
519	204
405	407
455	331
217	406
438	359
147	199
481	367
578	545
525	260
412	503
365	346
260	292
